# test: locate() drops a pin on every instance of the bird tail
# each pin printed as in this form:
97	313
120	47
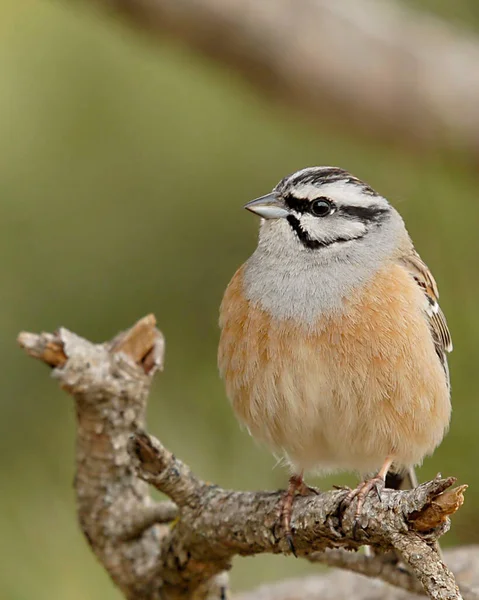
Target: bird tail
402	480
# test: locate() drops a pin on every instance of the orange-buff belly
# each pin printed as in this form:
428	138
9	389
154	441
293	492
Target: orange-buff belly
360	385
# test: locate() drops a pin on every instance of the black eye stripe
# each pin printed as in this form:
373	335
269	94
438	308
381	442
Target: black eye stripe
298	204
364	213
368	214
305	206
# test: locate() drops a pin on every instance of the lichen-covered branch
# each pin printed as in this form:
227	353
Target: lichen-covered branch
216	524
380	66
110	388
149	558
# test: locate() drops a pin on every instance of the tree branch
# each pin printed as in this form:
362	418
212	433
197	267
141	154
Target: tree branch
388	69
336	586
226	523
149	560
370	566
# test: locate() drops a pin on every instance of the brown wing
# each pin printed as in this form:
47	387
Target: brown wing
423	276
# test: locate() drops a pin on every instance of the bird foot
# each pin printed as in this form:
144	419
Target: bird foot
361	492
285	506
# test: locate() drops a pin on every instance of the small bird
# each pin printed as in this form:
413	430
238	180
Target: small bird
333	345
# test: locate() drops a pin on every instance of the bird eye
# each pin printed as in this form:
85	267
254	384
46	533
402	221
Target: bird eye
321	207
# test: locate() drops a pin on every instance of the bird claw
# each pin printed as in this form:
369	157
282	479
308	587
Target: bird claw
361	492
356	528
378	487
285	507
289	540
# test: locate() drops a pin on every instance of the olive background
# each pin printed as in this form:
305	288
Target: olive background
124	166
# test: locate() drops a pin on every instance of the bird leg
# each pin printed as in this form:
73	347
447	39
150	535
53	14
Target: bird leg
296	487
362	490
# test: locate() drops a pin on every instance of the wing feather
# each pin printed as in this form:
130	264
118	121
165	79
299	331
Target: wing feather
423	277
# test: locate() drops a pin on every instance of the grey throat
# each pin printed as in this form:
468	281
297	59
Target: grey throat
290	281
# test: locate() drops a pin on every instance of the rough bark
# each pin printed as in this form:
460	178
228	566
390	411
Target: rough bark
387	69
149	558
340	585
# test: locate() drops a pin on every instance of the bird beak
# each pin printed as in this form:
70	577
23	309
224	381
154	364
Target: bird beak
268	207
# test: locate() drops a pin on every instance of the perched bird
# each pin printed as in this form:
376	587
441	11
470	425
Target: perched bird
333	345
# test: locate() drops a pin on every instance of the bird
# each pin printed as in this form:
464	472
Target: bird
333	345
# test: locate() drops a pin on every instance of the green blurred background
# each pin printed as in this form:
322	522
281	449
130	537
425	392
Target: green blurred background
124	166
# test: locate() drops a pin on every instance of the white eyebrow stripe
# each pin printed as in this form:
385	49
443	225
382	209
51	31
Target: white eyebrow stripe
341	192
347	193
307	191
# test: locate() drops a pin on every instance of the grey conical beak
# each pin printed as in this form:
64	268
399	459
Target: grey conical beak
268	207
